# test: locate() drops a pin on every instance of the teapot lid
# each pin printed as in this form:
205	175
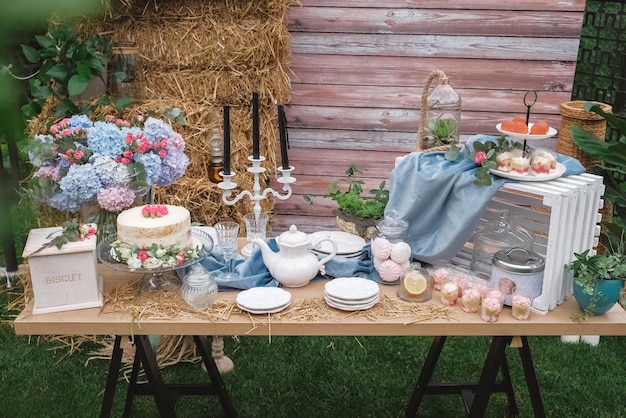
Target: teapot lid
293	237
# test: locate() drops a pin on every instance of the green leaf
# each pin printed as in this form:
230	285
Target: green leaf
84	71
122	103
65	107
58	72
119	76
77	84
31	54
44	41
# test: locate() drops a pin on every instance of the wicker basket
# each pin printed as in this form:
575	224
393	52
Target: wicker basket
573	113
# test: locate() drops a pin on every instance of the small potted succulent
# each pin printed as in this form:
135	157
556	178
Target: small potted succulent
598	280
356	213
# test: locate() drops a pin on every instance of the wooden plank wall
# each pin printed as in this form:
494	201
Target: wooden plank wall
358	69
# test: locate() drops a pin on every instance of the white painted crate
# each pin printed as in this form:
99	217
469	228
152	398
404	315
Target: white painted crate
564	216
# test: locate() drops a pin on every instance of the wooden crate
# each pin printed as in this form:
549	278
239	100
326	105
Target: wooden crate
564	216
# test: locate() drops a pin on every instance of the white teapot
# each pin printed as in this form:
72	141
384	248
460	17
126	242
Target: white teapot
294	265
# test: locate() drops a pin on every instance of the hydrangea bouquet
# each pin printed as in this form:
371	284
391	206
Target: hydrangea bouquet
110	162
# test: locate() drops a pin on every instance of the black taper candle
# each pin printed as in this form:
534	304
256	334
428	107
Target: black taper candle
226	140
282	131
255	126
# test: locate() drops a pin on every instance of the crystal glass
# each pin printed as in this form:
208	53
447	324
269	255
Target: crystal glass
492	305
227	245
256	228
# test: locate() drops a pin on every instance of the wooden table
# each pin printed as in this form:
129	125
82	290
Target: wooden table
557	322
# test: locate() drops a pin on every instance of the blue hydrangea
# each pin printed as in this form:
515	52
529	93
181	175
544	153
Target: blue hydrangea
174	166
63	202
156	129
80	121
106	139
111	173
152	164
81	183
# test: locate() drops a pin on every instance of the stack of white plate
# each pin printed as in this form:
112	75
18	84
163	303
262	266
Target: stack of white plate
351	293
263	300
348	245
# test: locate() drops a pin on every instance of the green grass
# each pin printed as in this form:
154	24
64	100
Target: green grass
316	377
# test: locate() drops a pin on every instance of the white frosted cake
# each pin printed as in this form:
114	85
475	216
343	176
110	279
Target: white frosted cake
164	225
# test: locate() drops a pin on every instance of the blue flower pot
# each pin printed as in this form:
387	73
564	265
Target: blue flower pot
606	295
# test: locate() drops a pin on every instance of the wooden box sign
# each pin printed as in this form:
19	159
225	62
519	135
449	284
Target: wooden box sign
63	279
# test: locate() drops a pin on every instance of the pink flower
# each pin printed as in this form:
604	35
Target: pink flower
162	153
480	157
125	161
54	129
128	154
129	138
66	132
143	255
144	146
161	211
140	118
115	199
79	154
109	118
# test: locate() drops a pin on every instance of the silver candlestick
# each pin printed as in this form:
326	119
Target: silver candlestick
256	195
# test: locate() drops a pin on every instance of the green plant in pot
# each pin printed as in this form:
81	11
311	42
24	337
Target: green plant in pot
356	213
598	280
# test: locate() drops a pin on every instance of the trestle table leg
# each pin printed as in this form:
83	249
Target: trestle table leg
216	378
114	368
531	379
425	376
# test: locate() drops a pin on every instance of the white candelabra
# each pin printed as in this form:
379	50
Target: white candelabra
256	195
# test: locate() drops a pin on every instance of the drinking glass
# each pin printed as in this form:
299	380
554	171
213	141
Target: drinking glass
227	245
256	227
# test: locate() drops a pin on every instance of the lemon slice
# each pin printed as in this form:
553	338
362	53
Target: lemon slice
415	283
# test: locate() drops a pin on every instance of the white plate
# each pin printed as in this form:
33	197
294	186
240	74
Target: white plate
346	243
558	172
263	298
351	288
263	311
351	308
521	137
348	255
350	302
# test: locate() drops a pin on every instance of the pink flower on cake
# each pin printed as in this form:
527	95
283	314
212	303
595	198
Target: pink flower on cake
154	211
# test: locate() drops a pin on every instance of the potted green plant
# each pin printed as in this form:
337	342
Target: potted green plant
356	213
598	280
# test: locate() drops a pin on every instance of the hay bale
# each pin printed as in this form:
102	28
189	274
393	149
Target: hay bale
198	56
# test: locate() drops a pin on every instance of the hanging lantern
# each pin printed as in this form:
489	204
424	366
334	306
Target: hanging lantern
440	115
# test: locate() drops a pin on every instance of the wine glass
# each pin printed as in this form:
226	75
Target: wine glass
227	245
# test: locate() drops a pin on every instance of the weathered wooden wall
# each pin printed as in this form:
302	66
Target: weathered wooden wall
358	69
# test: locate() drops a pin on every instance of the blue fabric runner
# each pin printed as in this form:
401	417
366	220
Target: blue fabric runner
253	273
439	200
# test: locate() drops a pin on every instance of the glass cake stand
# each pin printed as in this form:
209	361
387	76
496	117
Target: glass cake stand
159	277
